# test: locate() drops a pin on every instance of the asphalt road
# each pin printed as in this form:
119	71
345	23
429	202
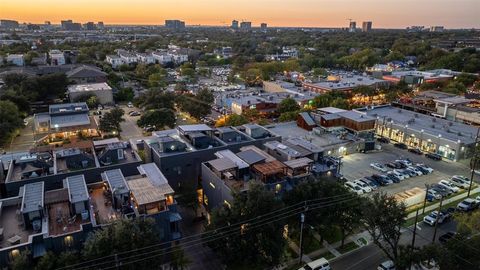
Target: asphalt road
370	256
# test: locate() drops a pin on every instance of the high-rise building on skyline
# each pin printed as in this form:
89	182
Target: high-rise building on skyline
263	26
8	24
174	24
100	25
352	27
366	26
246	25
69	25
89	26
234	24
437	28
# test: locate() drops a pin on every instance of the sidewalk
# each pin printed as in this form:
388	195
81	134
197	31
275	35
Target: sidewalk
445	201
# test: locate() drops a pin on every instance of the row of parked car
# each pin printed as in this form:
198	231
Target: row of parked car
414	150
447	187
402	169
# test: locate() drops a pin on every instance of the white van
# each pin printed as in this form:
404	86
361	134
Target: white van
320	264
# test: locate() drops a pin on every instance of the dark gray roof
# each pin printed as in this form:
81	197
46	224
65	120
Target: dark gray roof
250	156
308	119
222	164
85	72
32	197
77	189
116	181
68	108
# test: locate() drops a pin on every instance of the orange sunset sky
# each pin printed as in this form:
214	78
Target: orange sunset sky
311	13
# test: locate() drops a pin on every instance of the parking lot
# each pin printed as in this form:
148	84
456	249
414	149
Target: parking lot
357	165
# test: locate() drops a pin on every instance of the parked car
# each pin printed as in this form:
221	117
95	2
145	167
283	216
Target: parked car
436	195
366	188
415	151
134	113
405	161
424	168
433	156
441	189
444	238
373	185
402	172
397	173
392	165
431	218
354	188
466	205
410	172
449	185
460	181
383	140
129	105
378	167
319	264
415	169
400	145
386	265
382	179
393	177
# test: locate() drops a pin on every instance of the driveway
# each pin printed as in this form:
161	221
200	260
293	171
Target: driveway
25	141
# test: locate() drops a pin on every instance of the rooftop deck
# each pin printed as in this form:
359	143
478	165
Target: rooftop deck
12	225
60	221
104	213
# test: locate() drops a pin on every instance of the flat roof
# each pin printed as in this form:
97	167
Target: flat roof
450	130
222	164
77	188
69	120
356	116
89	87
32	199
298	163
156	177
105	141
116	181
145	191
230	155
194	128
331	110
269	168
348	81
305	144
274	145
250	156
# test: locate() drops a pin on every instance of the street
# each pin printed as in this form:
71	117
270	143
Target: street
370	256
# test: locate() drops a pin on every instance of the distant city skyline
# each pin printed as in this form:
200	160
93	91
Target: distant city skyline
283	13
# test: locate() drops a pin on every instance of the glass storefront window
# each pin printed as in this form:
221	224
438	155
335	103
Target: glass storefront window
446	152
428	147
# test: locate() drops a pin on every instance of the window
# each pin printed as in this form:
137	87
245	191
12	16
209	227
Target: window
120	153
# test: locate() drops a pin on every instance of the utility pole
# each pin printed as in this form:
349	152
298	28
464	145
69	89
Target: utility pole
413	237
302	222
425	200
436	220
473	162
117	265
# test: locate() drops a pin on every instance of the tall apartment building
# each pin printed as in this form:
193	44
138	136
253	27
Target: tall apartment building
352	27
90	26
69	25
367	26
174	24
234	24
246	25
8	24
263	26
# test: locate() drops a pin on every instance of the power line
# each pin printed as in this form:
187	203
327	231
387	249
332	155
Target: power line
219	235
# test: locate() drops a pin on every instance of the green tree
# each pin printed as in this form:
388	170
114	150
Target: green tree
383	218
157	80
466	79
288	116
54	261
22	261
125	94
11	120
236	120
124	235
158	118
111	120
288	105
250	247
179	260
155	99
455	88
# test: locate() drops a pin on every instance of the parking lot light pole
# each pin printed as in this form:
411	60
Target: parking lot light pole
436	220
